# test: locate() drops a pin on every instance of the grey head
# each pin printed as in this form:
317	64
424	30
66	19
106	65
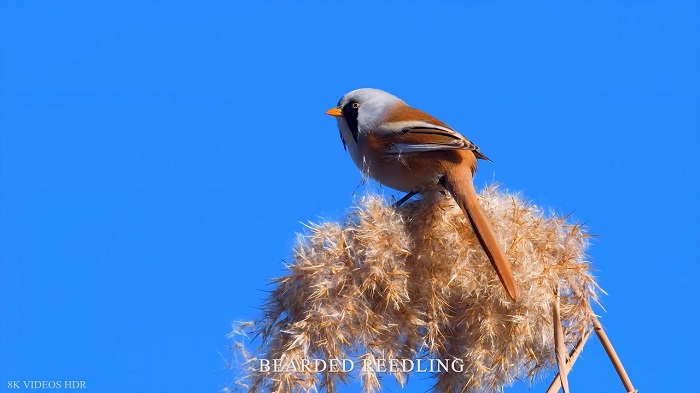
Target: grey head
363	110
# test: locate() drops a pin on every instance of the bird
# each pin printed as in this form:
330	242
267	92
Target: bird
409	150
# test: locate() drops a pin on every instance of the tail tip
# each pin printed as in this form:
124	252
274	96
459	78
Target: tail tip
514	296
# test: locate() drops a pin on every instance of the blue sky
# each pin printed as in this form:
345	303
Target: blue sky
157	158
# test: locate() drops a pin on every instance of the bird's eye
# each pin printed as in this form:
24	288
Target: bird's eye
355	105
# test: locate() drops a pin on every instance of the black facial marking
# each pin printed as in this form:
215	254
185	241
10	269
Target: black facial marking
345	146
350	112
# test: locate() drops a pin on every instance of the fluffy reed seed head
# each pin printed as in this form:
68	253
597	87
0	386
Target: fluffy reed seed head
413	283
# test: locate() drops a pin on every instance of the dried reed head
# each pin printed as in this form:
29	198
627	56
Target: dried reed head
413	283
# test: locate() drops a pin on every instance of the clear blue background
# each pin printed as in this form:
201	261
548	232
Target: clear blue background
158	157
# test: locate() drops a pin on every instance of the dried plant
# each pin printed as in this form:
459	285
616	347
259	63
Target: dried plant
413	284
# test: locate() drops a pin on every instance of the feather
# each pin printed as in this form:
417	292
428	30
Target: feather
423	138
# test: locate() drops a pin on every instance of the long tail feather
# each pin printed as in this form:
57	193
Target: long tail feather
463	192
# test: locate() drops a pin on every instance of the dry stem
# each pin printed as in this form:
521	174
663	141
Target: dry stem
559	344
607	345
556	383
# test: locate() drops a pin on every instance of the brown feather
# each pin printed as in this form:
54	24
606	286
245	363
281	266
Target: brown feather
403	112
459	183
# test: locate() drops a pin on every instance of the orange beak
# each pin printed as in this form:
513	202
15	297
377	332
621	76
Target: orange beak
335	112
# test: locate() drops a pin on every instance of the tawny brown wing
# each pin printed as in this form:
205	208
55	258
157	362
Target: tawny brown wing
416	139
